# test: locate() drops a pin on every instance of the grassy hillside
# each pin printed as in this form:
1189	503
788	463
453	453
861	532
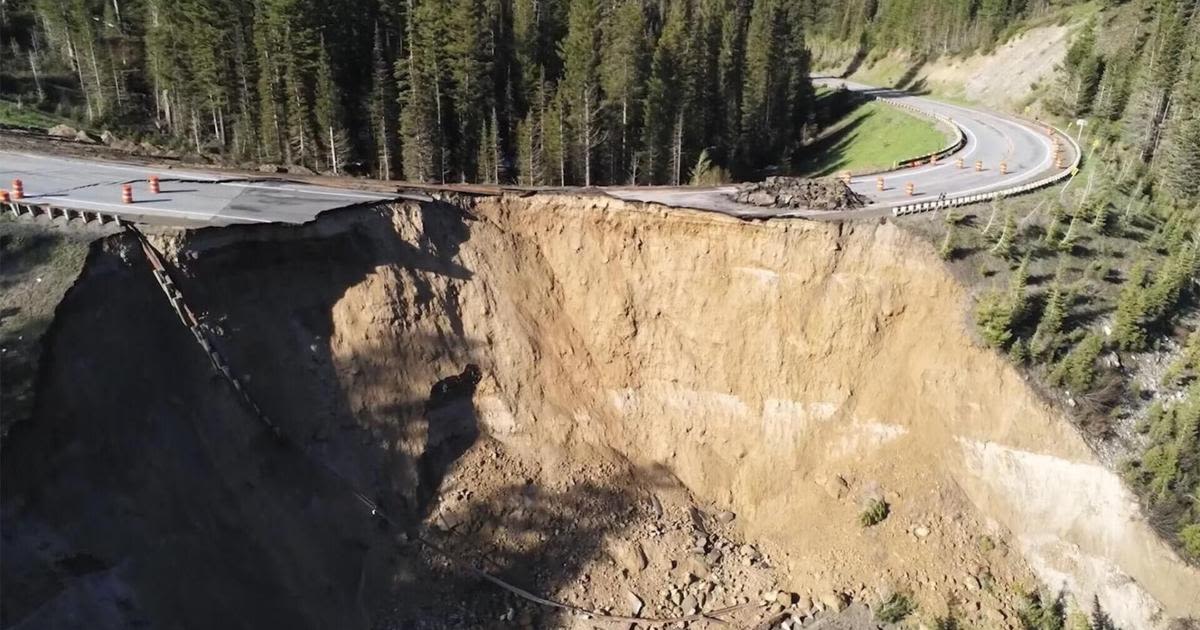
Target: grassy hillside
37	266
869	136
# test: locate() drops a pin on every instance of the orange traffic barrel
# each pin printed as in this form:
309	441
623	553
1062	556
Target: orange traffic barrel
3	196
979	165
1004	168
154	188
126	193
879	183
960	163
18	191
933	159
910	188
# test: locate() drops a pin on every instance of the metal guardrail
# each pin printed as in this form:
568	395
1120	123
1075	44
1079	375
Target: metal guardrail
960	139
953	202
32	211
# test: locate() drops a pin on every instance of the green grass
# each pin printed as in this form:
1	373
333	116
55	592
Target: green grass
872	136
26	116
37	266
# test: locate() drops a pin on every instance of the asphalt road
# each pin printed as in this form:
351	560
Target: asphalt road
187	197
192	197
991	138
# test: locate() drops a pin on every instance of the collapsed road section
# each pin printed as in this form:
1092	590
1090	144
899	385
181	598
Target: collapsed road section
490	376
181	197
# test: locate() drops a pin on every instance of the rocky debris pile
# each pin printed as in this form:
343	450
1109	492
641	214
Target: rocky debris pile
70	133
800	193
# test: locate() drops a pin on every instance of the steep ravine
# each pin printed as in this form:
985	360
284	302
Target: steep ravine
784	371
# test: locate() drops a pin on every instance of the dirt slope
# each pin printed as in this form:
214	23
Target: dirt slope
706	391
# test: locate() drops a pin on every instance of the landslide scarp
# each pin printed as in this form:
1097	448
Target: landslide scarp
590	398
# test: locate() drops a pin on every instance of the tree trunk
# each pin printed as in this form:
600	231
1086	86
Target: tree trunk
96	76
624	130
196	129
37	80
587	138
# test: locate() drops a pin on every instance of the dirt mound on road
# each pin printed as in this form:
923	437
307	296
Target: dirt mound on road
800	194
608	404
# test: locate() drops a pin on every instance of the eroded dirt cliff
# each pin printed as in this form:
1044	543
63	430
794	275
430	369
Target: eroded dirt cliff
658	399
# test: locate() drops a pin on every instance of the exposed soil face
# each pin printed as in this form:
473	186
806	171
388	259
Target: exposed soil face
609	405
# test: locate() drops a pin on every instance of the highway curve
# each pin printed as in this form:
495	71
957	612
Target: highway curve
991	138
191	197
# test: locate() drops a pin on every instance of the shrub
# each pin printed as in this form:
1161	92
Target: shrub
946	251
705	173
1190	537
1039	611
993	317
946	623
895	608
1077	371
1019	352
877	510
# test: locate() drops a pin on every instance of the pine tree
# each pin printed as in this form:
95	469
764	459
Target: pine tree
580	86
420	131
1077	371
381	110
1128	325
470	89
1005	243
299	113
555	140
946	251
730	78
329	115
662	129
1047	337
1054	224
1182	173
622	74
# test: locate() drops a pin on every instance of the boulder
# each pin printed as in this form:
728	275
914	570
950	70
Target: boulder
63	131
